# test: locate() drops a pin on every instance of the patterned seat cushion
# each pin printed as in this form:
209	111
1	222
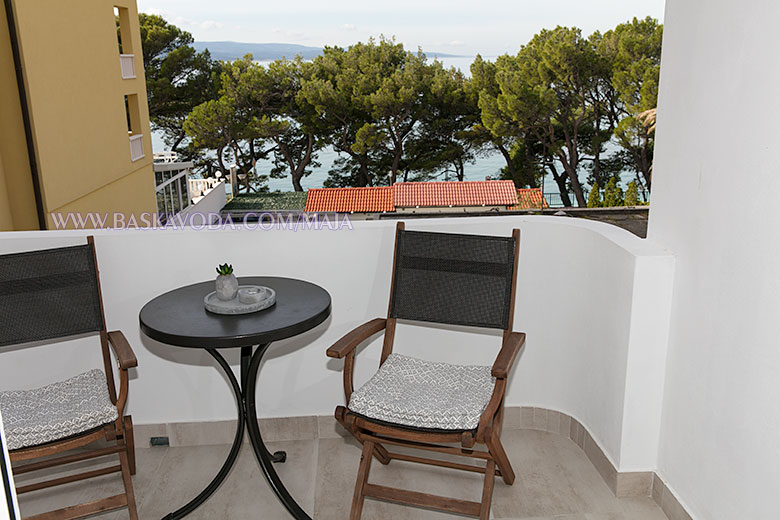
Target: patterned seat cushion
57	410
423	394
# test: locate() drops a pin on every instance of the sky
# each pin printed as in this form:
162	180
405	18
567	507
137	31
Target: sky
488	27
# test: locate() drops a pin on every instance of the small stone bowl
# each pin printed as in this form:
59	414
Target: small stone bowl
250	295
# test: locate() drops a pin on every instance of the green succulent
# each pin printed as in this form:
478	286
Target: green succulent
225	269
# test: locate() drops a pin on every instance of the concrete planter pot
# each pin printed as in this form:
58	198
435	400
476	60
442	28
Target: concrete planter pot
226	287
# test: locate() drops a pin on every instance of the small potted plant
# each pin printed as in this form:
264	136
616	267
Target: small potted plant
227	283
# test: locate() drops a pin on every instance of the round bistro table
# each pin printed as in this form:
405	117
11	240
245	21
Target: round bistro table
179	318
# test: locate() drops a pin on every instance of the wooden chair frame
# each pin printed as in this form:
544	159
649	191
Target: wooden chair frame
119	435
375	436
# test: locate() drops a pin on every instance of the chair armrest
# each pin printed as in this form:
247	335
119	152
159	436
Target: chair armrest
124	354
355	337
512	345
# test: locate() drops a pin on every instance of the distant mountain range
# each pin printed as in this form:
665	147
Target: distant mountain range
272	51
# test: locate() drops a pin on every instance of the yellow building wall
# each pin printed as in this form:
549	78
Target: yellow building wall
17	200
101	205
77	104
6	220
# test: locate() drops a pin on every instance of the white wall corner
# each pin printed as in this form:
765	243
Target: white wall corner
646	362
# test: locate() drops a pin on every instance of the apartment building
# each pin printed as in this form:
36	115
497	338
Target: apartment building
74	121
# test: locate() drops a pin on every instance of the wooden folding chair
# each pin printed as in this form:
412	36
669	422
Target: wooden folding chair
465	280
53	294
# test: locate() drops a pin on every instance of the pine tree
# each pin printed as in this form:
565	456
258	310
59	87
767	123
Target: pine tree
632	194
594	197
613	194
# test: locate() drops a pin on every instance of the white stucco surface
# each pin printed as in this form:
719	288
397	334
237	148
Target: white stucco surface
715	200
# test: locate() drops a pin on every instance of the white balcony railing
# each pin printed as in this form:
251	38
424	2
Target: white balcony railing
199	187
166	156
136	147
127	64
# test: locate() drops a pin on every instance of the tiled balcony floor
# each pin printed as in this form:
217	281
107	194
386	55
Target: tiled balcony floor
555	480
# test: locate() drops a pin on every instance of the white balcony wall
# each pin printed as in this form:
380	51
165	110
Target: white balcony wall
592	298
209	205
715	206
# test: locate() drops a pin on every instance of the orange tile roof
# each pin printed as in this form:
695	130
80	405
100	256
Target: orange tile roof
344	200
530	198
466	193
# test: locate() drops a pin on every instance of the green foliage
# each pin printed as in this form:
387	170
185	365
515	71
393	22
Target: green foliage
496	128
227	125
225	270
391	114
546	90
632	194
634	51
613	194
444	139
259	113
594	197
573	95
336	87
177	77
524	168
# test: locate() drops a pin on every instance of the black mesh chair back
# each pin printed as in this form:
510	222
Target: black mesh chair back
453	279
49	294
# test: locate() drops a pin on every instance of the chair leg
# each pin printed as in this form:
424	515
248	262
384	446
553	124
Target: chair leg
128	482
130	442
362	478
497	451
380	452
487	490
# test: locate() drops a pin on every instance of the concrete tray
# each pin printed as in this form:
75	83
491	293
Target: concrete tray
217	306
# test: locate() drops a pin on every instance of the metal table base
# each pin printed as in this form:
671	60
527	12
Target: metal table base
247	416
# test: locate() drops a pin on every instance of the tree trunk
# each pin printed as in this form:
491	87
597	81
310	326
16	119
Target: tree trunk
363	179
597	164
508	158
576	186
238	171
221	161
177	142
570	167
561	182
529	160
397	153
298	172
647	168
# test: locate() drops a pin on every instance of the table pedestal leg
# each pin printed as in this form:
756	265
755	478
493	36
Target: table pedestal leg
247	415
264	457
246	358
234	449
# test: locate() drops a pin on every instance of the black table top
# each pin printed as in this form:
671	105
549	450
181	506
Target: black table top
179	318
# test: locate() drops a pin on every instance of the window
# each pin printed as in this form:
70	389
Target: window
124	40
133	117
133	113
